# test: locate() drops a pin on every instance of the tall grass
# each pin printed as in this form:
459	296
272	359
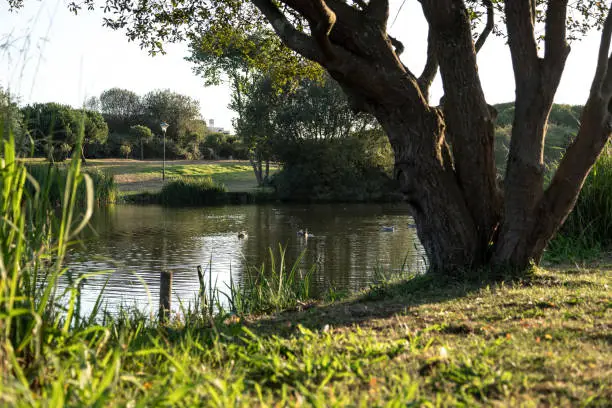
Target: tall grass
186	191
34	238
55	177
272	287
588	229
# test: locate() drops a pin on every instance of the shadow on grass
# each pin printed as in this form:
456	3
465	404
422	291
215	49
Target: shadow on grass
380	301
364	309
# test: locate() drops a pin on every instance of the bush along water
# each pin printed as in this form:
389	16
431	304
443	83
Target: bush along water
588	229
332	170
186	191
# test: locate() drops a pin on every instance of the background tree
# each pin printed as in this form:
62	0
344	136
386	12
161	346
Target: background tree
95	130
141	134
176	109
11	120
120	105
258	103
251	63
126	150
123	109
54	128
93	103
326	151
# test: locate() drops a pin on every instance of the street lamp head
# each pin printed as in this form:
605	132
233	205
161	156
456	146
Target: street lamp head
164	126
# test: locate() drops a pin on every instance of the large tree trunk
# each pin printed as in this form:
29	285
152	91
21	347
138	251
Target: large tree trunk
83	160
444	162
536	81
469	119
424	170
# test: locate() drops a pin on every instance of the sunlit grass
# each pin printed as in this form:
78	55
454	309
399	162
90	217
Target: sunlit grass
426	343
134	176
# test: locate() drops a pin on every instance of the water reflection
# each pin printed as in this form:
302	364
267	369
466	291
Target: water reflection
136	243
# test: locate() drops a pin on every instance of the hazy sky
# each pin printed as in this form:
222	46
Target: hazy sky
53	55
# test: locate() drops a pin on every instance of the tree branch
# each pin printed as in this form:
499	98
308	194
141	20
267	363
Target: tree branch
399	46
601	72
379	11
323	26
488	27
431	66
294	39
521	38
555	42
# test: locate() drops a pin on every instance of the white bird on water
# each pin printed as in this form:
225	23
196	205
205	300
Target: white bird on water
305	234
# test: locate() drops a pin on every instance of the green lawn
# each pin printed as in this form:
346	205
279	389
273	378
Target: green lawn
546	341
134	176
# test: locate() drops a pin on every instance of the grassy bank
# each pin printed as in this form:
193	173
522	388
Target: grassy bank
136	177
544	341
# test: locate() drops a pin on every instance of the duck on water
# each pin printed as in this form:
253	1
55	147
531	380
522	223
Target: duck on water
305	234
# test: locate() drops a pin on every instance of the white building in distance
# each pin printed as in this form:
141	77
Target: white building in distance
216	129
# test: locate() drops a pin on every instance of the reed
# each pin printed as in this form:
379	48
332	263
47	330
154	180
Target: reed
34	237
274	286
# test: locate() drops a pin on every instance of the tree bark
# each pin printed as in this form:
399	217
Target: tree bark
256	164
422	166
595	131
537	80
467	115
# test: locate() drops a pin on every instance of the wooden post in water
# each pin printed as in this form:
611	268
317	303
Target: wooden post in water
165	294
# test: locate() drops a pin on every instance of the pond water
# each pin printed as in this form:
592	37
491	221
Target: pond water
133	244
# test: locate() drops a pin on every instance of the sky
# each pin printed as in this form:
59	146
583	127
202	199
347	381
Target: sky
51	55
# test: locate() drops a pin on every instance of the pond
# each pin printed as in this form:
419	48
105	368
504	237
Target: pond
133	244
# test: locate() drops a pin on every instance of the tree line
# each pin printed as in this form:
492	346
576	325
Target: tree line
119	123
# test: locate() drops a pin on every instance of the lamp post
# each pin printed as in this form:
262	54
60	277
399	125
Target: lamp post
164	127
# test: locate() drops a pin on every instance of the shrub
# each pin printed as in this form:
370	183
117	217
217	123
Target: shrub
331	170
192	191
